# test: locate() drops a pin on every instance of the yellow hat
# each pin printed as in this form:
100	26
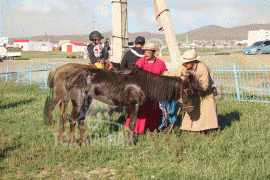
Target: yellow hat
150	46
189	55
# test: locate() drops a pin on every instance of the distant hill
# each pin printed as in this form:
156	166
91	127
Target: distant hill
84	37
210	32
213	32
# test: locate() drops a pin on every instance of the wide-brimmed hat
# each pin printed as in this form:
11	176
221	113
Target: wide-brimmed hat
150	46
189	55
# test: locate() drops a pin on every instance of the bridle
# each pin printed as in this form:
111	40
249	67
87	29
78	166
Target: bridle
186	91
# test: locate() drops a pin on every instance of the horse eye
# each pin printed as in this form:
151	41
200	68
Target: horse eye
189	92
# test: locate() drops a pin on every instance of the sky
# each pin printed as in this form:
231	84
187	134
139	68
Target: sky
22	18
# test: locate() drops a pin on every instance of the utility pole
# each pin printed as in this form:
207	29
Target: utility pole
164	22
93	21
187	39
45	36
120	29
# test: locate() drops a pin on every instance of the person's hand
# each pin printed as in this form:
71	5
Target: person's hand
102	61
215	92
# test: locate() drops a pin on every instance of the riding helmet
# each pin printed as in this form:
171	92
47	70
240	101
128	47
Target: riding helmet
140	39
95	35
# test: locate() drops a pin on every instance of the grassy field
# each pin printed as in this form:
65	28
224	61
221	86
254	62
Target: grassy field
25	55
29	150
58	54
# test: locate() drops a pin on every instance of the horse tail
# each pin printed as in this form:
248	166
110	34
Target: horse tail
51	79
47	105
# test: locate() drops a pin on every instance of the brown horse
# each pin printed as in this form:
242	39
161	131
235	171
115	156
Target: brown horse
132	89
57	81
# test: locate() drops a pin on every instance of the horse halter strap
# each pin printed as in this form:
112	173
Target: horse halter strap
188	91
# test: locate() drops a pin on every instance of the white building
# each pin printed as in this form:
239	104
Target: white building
74	47
3	40
21	43
40	46
260	35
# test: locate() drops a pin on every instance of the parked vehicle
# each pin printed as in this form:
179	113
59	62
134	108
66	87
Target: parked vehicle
4	54
260	47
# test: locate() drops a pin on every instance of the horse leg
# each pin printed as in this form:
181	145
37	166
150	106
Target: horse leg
52	105
62	119
81	117
72	121
133	117
110	112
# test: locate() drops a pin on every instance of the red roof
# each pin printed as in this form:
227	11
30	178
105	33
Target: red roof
78	43
21	40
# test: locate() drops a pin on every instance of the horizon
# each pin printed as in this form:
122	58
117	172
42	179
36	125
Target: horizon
25	18
41	35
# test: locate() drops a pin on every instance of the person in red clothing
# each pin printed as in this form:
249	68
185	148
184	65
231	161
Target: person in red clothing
149	115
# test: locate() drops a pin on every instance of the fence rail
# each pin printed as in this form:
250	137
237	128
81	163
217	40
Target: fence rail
242	84
29	74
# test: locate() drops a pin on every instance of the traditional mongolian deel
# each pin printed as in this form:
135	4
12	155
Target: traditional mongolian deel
149	115
204	115
131	57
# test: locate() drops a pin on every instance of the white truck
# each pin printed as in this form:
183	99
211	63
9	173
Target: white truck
4	54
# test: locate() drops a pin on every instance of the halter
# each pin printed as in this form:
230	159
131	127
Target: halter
188	91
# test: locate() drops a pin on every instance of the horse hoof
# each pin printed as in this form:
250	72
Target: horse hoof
132	143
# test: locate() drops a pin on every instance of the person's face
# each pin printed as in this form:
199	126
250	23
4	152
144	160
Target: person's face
189	65
97	41
149	54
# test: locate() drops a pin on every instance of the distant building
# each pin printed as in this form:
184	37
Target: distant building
3	40
73	47
21	43
40	46
260	35
61	42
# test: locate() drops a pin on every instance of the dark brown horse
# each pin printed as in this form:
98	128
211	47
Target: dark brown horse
57	81
132	89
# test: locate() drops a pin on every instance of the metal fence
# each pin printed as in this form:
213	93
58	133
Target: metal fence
232	81
28	74
243	84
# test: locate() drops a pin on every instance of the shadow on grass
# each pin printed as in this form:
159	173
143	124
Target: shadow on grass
227	119
4	152
15	104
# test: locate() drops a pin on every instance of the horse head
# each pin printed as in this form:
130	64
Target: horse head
187	92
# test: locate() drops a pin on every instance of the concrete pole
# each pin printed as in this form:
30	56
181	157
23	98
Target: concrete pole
165	23
119	32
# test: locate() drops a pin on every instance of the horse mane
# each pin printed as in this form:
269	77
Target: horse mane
112	78
157	86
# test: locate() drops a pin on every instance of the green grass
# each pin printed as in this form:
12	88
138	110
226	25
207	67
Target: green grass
206	51
25	55
29	150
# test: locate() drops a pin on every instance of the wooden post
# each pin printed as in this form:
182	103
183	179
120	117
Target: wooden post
164	21
119	32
